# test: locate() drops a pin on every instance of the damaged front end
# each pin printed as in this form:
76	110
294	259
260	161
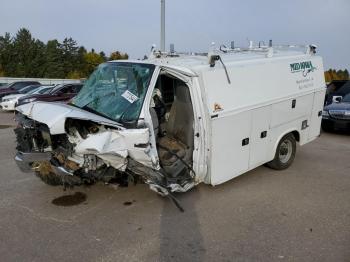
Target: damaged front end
118	129
72	150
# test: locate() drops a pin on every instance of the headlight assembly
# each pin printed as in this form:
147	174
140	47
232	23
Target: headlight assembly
325	113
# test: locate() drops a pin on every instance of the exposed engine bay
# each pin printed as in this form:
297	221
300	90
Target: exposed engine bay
72	150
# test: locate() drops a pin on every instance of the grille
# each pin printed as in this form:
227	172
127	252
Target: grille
340	114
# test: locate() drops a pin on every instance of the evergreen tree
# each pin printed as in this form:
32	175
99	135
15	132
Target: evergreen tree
23	51
7	62
69	55
38	62
25	56
54	60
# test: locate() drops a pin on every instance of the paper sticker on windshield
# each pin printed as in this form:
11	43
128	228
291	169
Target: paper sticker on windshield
129	96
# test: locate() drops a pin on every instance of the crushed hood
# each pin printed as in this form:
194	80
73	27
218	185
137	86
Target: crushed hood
54	115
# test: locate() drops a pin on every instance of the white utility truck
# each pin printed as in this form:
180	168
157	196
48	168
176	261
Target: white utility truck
176	120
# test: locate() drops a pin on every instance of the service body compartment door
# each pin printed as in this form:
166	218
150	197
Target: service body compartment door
230	146
316	115
291	109
260	136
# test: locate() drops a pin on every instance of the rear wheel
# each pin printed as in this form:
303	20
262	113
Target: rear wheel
285	153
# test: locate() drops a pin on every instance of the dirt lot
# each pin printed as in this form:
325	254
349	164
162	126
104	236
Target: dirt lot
300	214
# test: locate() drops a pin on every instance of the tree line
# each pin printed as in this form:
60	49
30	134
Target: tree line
24	56
333	74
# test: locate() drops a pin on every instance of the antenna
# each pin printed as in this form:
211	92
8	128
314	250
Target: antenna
162	26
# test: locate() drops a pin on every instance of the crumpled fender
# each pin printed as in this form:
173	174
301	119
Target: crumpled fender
114	146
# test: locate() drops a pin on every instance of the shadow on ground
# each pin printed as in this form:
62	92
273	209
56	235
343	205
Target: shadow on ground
185	233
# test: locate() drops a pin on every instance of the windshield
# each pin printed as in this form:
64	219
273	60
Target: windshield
34	91
116	90
346	98
44	90
57	87
27	89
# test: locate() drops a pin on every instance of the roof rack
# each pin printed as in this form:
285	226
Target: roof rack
216	54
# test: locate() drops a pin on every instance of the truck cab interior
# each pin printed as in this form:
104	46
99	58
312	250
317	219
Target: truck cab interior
173	119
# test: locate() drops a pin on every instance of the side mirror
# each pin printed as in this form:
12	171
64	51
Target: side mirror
213	59
337	99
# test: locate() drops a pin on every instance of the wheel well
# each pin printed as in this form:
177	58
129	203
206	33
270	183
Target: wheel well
296	135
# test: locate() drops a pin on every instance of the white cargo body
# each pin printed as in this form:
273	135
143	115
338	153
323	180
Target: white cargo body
272	94
221	114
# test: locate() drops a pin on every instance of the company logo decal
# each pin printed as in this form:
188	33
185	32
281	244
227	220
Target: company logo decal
304	67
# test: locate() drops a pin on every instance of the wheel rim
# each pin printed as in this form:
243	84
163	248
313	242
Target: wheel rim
285	151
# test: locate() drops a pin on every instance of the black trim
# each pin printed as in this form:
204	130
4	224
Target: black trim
304	125
141	145
245	141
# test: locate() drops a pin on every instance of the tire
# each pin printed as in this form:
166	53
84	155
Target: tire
56	180
285	153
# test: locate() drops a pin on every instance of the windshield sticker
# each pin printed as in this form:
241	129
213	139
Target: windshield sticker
129	96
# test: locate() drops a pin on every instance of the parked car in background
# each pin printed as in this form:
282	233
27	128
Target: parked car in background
14	87
336	89
62	93
9	102
337	115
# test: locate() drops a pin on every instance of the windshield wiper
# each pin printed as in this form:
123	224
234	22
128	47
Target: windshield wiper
86	108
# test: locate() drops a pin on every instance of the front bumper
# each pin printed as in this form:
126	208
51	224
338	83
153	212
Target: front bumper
336	124
25	160
8	105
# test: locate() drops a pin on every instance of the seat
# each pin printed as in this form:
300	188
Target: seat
154	118
178	141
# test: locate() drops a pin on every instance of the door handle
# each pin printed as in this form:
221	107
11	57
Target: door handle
141	145
245	141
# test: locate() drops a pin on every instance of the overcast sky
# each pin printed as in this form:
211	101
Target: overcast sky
132	26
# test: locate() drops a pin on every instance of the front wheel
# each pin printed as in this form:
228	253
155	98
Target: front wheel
285	153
